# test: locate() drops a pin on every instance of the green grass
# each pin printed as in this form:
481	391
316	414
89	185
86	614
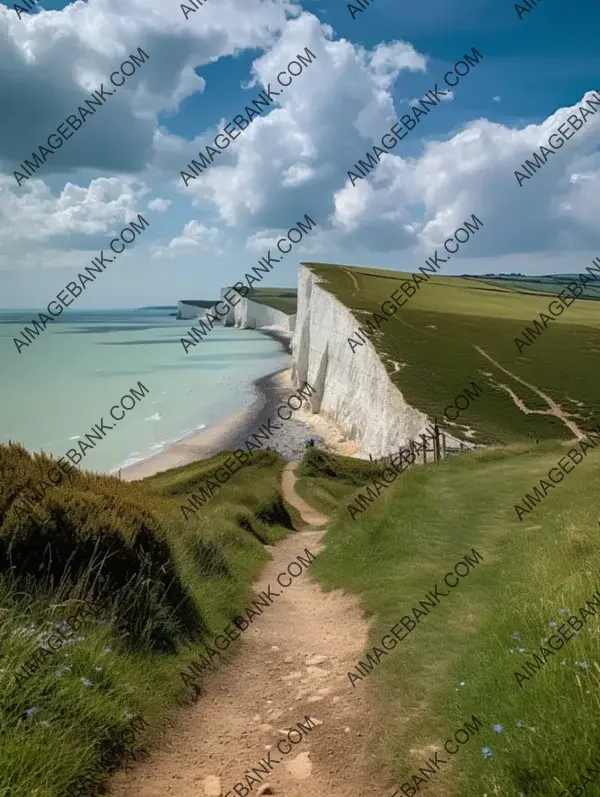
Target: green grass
214	557
283	299
326	480
405	544
543	285
434	335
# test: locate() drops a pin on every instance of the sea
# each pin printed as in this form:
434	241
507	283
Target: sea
72	373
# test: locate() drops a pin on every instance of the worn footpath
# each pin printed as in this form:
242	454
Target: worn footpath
291	668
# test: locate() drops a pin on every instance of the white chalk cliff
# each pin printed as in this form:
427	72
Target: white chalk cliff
252	315
352	389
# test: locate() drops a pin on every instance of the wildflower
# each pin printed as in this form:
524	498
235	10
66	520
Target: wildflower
516	635
563	663
486	752
58	674
552	624
80	639
521	650
108	650
497	728
98	669
462	683
86	681
520	724
32	710
582	665
563	611
127	716
44	724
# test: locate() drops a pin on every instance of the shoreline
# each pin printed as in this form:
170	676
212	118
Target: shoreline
272	390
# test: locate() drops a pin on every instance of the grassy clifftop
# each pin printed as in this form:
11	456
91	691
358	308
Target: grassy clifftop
460	660
283	299
454	330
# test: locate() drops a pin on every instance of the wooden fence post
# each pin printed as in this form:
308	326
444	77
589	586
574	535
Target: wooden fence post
436	442
443	445
424	439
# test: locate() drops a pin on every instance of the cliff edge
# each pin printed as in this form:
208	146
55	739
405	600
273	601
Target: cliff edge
352	389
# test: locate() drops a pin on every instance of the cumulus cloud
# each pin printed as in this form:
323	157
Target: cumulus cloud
34	215
194	236
54	59
159	205
295	156
425	199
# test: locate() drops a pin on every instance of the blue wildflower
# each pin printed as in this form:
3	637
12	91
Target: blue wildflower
497	728
486	752
552	624
32	710
516	635
86	681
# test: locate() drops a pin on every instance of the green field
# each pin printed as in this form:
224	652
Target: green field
284	299
460	660
433	339
540	285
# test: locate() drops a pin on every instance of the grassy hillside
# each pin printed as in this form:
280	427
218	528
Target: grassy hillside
432	341
283	299
541	285
460	659
166	585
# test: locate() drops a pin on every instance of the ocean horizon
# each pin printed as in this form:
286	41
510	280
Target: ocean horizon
73	372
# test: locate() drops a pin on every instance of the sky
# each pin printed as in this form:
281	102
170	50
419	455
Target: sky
205	65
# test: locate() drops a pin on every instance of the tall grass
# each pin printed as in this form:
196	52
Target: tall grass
166	585
461	660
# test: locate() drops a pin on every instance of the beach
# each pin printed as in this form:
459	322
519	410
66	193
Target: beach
272	390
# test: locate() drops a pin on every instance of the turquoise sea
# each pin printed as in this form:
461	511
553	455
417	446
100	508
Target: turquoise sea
70	376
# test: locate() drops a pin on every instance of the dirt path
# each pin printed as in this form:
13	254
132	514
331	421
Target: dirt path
553	407
291	663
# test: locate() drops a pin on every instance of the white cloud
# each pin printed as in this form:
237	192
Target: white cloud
194	236
55	58
159	205
425	199
33	214
297	155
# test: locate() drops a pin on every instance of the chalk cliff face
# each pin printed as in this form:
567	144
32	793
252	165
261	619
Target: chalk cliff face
352	389
252	315
192	308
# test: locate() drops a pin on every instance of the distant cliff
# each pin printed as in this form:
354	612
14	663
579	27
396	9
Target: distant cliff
248	314
193	308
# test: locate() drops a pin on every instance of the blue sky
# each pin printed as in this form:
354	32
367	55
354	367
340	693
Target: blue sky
294	159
